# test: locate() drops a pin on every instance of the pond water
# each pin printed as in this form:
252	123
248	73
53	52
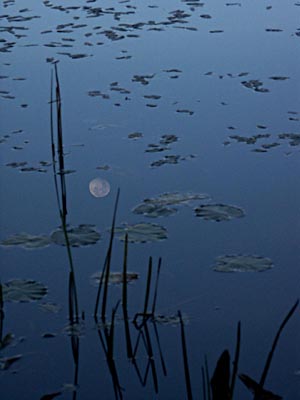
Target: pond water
192	110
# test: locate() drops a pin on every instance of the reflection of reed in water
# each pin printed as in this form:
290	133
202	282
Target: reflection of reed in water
61	195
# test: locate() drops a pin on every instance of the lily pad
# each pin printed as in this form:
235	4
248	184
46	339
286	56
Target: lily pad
26	241
242	263
158	206
142	232
81	235
153	210
218	212
176	198
115	278
23	290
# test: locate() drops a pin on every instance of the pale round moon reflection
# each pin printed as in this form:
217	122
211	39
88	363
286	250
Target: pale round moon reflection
99	187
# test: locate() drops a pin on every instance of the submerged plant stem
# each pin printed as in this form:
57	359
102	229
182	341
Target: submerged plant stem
185	360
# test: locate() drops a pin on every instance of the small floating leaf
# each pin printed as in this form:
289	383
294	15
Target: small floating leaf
218	212
114	278
172	320
26	241
6	363
50	396
82	235
6	341
153	210
23	290
135	135
242	263
142	232
50	307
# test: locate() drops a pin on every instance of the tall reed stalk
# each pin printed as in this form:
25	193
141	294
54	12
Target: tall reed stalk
61	193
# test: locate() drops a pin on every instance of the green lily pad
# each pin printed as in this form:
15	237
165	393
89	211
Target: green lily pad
26	241
114	278
142	232
153	210
218	212
242	263
158	206
82	235
23	290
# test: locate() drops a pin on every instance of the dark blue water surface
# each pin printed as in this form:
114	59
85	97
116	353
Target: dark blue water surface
199	58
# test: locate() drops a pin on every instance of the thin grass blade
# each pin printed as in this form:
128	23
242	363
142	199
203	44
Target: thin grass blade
275	342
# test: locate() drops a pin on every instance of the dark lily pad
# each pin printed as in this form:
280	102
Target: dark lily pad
115	278
26	241
172	320
242	263
218	212
142	232
153	210
135	135
294	138
81	235
159	206
23	290
169	159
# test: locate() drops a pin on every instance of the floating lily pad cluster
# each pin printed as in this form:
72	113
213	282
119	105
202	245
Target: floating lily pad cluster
292	138
242	263
23	290
255	85
161	206
82	235
164	141
219	212
171	159
114	278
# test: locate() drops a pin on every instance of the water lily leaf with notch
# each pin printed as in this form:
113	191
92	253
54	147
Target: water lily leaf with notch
82	235
26	241
218	212
23	290
114	278
142	232
242	263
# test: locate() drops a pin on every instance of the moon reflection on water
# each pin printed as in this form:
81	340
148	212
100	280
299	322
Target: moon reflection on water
99	187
